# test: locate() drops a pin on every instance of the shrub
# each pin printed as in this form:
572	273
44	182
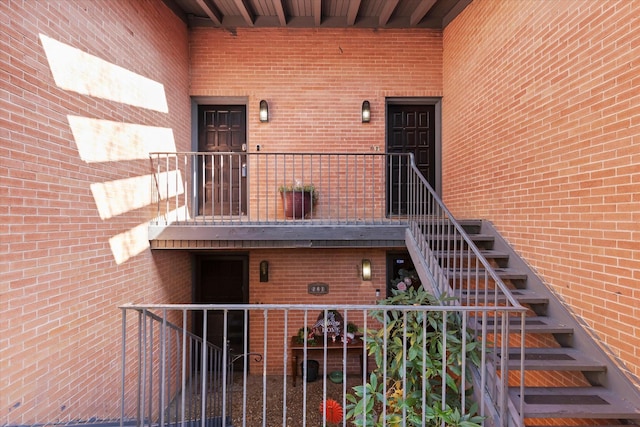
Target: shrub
408	378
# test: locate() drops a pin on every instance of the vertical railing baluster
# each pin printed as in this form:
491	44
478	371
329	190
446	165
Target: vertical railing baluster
167	184
123	366
151	352
225	360
264	368
204	368
285	361
443	373
176	186
142	359
183	376
163	368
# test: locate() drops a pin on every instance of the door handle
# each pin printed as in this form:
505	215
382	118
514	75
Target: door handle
244	170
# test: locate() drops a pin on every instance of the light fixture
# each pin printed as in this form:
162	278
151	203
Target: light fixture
366	269
264	111
264	271
366	112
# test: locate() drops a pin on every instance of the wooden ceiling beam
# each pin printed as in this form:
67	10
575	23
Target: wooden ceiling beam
387	11
317	12
421	10
282	18
244	11
352	12
212	12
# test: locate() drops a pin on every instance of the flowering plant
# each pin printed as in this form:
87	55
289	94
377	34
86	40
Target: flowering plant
406	279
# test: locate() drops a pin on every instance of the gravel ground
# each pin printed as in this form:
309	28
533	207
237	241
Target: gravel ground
295	409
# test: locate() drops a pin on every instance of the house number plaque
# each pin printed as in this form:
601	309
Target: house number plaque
318	288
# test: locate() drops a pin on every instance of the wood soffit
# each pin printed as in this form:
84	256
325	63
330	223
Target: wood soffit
232	14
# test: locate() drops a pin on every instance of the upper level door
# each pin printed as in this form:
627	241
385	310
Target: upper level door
222	179
410	129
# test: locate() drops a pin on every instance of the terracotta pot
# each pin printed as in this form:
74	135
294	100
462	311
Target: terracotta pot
297	204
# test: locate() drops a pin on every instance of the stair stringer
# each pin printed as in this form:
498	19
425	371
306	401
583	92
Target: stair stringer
584	339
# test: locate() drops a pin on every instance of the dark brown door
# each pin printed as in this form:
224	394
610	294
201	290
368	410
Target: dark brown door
410	129
223	184
396	262
222	280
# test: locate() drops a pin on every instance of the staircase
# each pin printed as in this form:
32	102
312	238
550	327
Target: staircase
570	379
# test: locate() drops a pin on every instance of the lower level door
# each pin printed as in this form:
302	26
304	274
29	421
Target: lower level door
223	279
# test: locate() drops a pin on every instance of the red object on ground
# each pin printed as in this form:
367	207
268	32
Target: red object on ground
332	410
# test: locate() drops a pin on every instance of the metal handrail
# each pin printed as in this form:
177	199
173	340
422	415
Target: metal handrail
174	367
433	226
281	321
449	259
225	187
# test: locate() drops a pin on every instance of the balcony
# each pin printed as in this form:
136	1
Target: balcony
230	197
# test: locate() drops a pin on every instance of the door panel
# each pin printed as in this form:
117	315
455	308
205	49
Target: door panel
410	129
222	280
223	186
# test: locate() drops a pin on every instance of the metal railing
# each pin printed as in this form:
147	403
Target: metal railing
172	369
213	187
448	259
355	189
450	345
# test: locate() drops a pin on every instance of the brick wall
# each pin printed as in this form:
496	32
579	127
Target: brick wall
316	80
290	271
64	269
541	135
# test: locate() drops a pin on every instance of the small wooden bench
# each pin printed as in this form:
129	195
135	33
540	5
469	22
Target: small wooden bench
297	351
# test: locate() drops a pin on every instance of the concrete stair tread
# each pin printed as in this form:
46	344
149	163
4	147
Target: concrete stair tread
476	237
523	296
574	402
503	273
487	253
554	359
534	324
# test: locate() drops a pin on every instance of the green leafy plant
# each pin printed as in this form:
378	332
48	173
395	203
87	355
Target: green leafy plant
301	188
407	382
352	328
306	334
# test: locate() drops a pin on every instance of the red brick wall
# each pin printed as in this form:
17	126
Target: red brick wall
61	281
290	271
315	80
541	135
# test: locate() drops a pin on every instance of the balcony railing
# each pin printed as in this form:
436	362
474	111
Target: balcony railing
212	187
447	363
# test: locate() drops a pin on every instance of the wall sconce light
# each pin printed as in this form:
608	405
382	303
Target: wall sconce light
366	269
264	111
366	112
264	271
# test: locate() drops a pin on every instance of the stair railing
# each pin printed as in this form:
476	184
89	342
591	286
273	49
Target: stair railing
179	375
447	257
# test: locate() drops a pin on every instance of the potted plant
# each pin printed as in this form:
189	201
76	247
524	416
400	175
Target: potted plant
298	199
